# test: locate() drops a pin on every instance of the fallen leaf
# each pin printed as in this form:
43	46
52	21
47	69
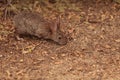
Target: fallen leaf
117	40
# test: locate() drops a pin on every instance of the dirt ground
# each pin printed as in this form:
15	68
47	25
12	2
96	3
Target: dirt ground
92	53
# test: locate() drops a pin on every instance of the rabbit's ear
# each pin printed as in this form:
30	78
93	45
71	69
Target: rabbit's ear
56	25
53	27
58	22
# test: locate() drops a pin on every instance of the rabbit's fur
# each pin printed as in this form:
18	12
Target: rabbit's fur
35	24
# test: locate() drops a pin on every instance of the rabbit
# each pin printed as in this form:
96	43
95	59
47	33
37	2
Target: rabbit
33	23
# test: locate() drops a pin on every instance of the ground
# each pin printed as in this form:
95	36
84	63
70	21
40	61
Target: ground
92	52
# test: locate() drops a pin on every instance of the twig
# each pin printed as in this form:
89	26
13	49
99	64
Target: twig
9	4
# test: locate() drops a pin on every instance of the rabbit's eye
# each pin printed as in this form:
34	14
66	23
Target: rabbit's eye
59	37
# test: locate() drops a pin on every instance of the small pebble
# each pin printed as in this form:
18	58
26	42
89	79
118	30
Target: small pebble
1	56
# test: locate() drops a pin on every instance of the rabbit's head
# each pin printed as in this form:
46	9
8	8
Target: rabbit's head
57	35
60	38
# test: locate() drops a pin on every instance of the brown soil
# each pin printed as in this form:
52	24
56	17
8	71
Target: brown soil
92	53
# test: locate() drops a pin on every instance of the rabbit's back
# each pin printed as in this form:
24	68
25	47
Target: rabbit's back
31	23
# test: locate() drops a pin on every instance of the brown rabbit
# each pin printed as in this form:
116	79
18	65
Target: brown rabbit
35	24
